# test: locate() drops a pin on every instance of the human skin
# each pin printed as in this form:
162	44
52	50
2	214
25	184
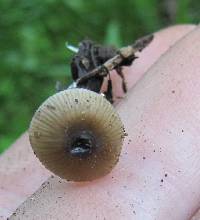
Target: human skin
136	189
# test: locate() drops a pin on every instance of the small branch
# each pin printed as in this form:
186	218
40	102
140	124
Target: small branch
122	54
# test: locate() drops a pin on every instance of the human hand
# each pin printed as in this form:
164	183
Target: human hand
157	175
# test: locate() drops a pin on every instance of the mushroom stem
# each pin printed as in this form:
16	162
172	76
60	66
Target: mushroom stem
82	146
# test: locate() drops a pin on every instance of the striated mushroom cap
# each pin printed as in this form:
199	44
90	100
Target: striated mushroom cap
77	134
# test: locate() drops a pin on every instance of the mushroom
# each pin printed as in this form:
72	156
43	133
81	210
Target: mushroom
77	134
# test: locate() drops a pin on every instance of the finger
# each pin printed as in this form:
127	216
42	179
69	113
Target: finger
13	183
20	175
158	173
165	119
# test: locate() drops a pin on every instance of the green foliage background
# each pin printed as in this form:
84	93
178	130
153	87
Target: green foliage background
32	44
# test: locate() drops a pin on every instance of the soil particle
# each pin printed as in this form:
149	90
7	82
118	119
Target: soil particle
51	107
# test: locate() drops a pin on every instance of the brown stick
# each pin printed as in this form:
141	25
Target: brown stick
124	52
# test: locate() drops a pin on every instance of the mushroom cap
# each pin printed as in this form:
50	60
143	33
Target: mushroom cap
65	122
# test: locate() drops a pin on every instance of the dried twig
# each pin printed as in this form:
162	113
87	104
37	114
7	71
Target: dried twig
123	54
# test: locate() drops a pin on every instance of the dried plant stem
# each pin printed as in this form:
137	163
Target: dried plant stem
122	54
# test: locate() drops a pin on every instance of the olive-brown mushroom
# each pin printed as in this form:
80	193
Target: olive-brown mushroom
77	134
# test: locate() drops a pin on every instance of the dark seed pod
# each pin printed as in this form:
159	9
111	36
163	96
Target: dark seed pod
77	134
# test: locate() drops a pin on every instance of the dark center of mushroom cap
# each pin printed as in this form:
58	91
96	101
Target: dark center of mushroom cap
82	145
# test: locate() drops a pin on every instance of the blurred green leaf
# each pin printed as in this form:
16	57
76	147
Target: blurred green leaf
112	35
182	14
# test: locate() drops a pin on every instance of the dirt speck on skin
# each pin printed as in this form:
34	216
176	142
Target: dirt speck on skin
173	91
144	158
165	174
129	141
182	130
161	180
